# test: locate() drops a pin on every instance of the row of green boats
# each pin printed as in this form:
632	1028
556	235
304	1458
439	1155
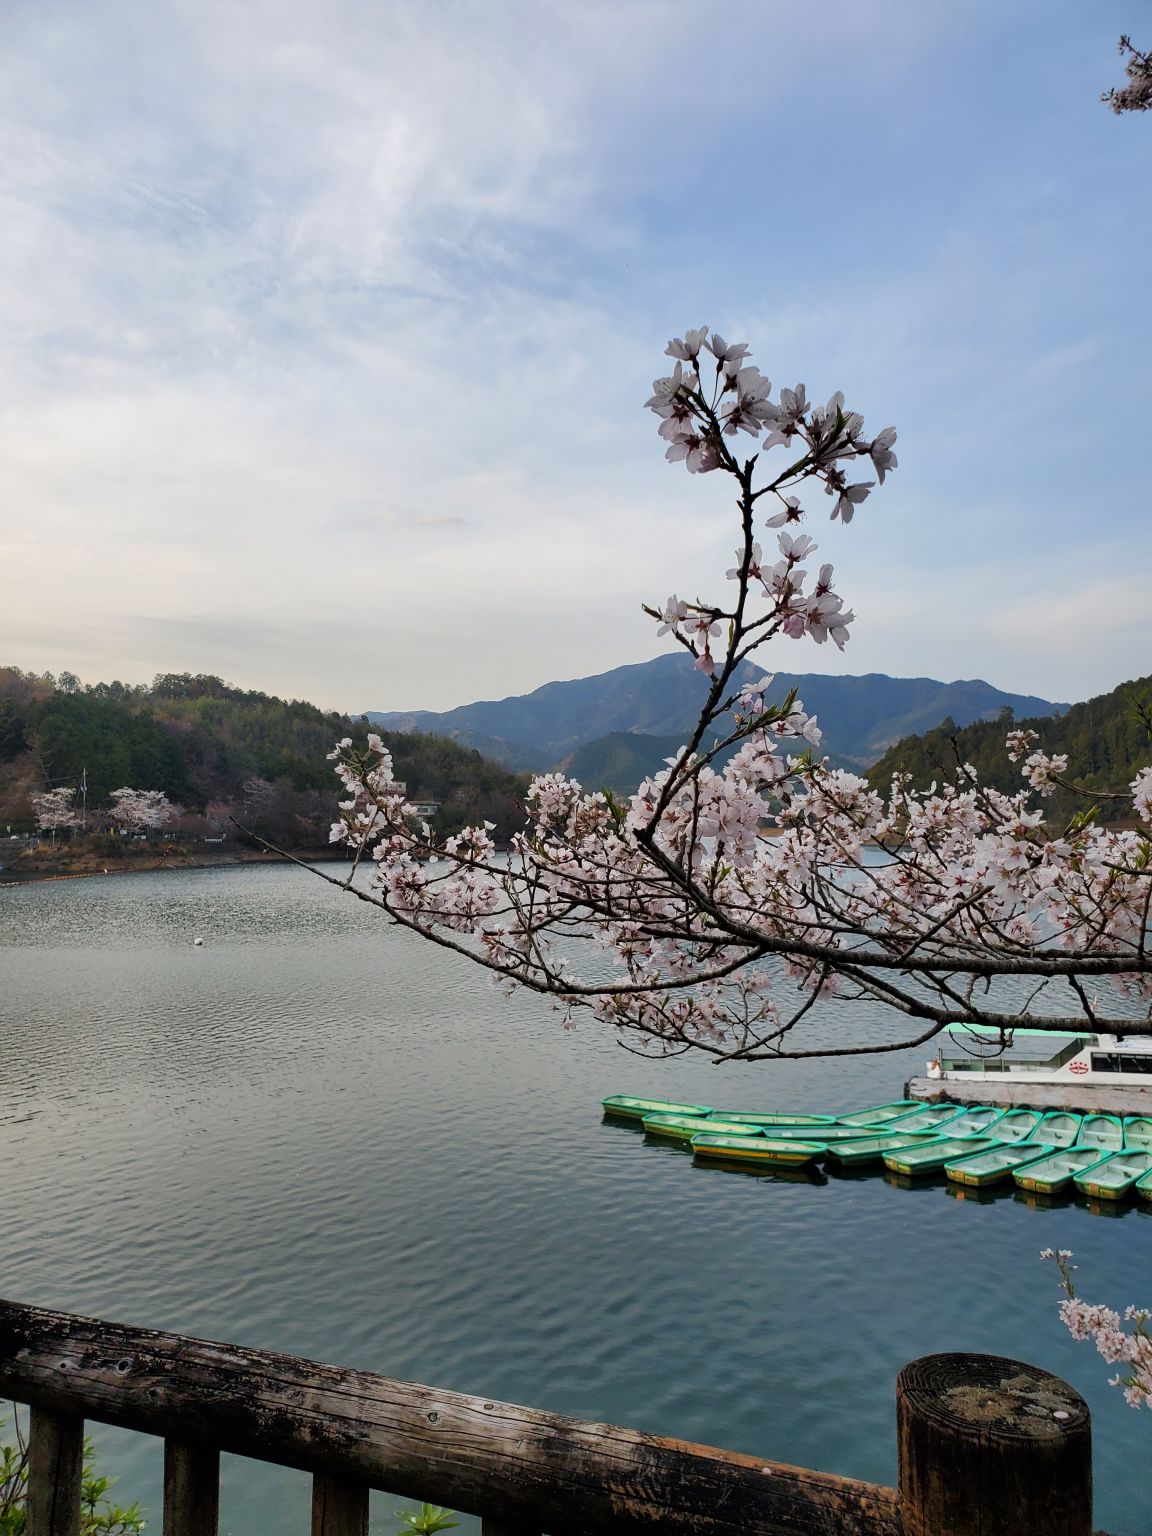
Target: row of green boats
1104	1156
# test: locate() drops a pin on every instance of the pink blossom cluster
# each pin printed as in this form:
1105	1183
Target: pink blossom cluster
750	877
1120	1340
699	408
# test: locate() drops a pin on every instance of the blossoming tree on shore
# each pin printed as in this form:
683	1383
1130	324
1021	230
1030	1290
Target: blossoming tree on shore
750	879
140	810
55	810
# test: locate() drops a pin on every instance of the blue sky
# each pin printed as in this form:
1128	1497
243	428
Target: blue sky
327	327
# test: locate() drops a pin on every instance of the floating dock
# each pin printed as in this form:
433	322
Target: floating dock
1018	1093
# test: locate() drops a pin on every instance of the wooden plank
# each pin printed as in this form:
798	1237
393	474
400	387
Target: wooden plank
474	1455
339	1507
55	1471
191	1489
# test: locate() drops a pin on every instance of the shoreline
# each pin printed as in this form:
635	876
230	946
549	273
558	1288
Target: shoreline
137	866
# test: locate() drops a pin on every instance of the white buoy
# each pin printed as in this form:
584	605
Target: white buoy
197	941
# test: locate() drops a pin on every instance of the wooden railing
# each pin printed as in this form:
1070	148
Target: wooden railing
986	1446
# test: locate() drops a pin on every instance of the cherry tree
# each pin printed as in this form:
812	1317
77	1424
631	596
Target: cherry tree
139	810
749	880
55	810
1136	96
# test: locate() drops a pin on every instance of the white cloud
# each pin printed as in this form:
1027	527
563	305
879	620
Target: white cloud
326	327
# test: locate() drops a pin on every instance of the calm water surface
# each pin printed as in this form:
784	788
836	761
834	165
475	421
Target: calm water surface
321	1135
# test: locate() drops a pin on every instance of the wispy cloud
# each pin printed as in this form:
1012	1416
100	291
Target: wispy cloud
330	320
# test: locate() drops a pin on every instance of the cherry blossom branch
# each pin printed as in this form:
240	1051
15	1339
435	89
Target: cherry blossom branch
749	879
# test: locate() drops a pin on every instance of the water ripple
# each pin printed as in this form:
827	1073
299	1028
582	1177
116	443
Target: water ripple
319	1134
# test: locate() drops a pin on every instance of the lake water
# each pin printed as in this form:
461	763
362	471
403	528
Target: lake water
319	1134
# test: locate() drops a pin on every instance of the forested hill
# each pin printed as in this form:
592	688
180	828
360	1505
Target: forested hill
206	743
1105	739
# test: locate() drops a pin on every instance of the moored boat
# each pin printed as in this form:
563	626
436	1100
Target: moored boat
990	1167
1060	1127
1104	1131
684	1127
770	1117
860	1151
828	1133
981	1120
1082	1070
1052	1174
879	1114
635	1109
932	1156
1019	1125
1138	1132
1144	1187
757	1149
929	1117
1115	1176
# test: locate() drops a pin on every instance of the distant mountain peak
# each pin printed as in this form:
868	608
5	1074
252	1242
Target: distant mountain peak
659	700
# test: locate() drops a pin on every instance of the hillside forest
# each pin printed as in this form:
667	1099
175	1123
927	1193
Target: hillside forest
219	752
1106	738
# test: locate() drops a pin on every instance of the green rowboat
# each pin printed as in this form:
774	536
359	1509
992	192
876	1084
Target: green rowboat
933	1155
757	1149
862	1150
980	1120
1019	1125
771	1117
1115	1176
1103	1131
983	1168
827	1133
1052	1174
1144	1187
684	1127
929	1117
1059	1127
636	1109
1138	1133
879	1114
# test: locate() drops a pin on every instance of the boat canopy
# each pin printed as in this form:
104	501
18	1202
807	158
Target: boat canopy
985	1048
994	1032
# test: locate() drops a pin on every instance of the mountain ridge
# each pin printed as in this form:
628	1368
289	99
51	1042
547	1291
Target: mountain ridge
556	724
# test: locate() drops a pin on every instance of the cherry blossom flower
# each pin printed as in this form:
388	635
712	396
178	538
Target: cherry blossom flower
792	513
724	354
675	612
795	549
1019	742
745	412
753	557
687	349
848	497
880	452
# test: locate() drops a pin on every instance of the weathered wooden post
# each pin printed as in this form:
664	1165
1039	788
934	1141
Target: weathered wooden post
991	1447
55	1471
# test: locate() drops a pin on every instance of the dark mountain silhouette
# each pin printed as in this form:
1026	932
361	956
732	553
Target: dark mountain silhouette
580	724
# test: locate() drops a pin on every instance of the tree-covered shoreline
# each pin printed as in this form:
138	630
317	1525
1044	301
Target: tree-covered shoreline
224	755
1105	738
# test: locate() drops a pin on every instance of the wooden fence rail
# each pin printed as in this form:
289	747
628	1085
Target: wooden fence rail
1019	1439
